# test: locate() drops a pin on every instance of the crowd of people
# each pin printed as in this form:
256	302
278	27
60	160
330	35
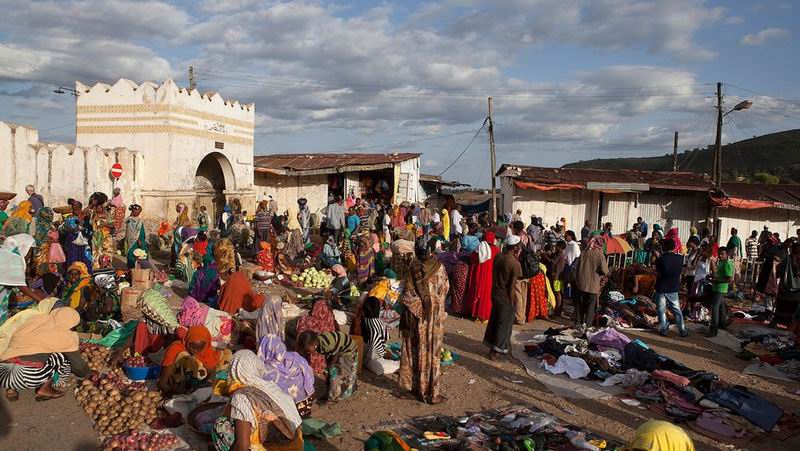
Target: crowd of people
414	263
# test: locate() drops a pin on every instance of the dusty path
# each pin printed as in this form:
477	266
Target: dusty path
29	425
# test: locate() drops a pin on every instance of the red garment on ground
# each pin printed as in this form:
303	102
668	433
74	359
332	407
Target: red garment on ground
538	307
479	294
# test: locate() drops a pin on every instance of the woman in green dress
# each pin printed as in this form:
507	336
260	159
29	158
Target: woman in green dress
135	236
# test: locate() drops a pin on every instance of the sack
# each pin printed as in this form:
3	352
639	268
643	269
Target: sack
141	278
530	263
129	307
80	240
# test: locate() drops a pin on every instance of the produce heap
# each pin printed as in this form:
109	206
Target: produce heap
311	278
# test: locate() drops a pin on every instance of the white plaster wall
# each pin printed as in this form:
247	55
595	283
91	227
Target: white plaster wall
287	189
575	205
412	191
61	171
352	182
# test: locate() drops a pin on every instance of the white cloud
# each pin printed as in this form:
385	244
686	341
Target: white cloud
764	35
734	20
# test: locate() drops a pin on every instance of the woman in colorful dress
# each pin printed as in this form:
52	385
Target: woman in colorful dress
259	416
102	236
20	221
44	224
205	283
135	235
365	260
289	370
341	356
75	244
320	320
479	294
421	327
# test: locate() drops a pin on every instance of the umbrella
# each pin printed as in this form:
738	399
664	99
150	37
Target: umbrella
617	245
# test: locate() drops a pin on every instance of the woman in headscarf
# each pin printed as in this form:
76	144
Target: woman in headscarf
102	238
78	278
458	286
767	282
177	227
270	318
365	260
479	294
218	323
320	320
205	283
237	293
118	212
75	244
188	361
446	224
330	253
263	225
398	221
673	234
259	416
264	257
304	217
341	357
135	236
20	221
289	370
421	327
44	224
41	353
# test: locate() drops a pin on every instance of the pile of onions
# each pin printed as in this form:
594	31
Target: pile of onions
144	441
116	408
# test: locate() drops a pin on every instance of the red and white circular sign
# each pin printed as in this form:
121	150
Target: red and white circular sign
116	170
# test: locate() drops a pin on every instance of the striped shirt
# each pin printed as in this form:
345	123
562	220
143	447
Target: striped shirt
751	247
376	334
336	343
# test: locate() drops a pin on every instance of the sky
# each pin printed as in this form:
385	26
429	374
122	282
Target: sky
570	79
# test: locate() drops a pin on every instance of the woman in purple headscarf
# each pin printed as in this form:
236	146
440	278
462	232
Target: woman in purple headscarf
289	370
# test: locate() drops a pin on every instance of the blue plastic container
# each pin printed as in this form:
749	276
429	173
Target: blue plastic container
142	373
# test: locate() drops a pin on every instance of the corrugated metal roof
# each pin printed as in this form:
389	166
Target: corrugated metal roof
787	194
328	163
437	180
663	180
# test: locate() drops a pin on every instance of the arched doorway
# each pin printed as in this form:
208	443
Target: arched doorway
214	175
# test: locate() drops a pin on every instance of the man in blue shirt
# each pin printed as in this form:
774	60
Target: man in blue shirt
668	283
642	226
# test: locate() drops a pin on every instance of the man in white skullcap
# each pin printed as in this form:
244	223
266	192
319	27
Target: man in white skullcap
505	274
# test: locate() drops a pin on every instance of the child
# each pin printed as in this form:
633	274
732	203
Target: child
341	354
722	277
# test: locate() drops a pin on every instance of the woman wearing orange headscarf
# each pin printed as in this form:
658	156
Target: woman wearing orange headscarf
188	359
237	293
20	221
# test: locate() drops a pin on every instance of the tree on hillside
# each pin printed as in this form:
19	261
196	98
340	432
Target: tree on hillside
766	177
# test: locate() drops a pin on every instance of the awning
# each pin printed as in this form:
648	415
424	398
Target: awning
746	204
536	186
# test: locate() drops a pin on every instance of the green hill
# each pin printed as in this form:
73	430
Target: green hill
775	154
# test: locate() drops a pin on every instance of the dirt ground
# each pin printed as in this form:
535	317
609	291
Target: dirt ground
472	384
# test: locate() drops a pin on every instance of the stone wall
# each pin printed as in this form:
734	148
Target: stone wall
61	171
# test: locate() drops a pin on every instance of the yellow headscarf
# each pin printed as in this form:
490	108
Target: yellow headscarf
657	435
73	293
446	224
224	256
183	217
23	211
45	334
15	322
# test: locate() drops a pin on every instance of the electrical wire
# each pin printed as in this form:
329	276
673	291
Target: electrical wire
466	148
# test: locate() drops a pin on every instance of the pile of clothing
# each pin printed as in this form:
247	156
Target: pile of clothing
665	386
772	348
637	312
509	428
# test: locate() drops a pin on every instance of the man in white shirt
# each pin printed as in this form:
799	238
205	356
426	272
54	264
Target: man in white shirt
572	251
455	221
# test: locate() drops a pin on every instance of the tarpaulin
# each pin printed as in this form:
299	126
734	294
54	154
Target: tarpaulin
536	186
746	204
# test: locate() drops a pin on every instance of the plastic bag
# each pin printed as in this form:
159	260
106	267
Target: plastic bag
117	337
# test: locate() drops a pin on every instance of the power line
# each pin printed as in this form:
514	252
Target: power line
762	94
466	148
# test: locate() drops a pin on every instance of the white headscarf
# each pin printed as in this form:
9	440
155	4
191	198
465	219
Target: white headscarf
248	369
484	252
12	259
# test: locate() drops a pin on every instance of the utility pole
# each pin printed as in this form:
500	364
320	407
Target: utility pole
192	81
717	176
494	162
675	154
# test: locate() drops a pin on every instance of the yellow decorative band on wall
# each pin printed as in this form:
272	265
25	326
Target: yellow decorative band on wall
159	128
137	119
158	108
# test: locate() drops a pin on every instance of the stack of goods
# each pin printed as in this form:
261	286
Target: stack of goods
772	348
116	405
509	428
152	441
638	312
95	355
311	278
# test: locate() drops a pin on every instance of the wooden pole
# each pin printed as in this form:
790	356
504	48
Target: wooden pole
718	143
494	162
675	154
